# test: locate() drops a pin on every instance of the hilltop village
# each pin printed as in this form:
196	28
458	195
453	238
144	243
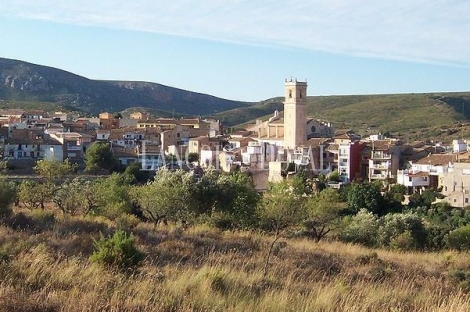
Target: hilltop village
269	150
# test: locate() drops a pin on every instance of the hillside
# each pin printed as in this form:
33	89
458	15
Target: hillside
30	83
243	114
438	115
45	266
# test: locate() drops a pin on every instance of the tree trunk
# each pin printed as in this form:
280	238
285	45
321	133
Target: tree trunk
268	256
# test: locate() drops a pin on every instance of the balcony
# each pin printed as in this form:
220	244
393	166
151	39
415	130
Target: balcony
74	148
380	167
378	176
378	155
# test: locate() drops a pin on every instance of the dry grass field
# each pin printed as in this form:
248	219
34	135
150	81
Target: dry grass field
45	266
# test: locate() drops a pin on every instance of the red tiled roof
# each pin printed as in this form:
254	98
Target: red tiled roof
317	141
437	159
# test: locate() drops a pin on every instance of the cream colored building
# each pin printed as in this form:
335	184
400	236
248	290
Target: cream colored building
295	107
294	128
139	116
455	184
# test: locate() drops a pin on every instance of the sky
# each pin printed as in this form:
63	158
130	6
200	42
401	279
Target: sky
245	49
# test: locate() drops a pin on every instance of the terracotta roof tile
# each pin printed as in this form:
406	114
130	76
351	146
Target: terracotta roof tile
437	159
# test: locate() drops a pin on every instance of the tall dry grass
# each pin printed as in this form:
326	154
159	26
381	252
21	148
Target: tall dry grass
45	267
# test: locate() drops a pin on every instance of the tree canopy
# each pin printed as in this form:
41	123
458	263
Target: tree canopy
100	157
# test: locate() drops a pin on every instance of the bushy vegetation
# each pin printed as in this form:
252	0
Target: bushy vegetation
117	251
360	213
212	242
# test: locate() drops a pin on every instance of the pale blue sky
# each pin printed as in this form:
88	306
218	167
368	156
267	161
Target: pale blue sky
244	49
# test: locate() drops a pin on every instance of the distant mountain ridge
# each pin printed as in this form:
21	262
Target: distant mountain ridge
22	81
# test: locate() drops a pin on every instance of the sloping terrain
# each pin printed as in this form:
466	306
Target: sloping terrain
26	82
437	115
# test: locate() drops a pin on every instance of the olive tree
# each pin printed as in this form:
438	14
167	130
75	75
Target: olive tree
53	169
168	197
7	195
35	194
323	213
279	210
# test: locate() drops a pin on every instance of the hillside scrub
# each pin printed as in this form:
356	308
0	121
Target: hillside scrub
221	246
203	268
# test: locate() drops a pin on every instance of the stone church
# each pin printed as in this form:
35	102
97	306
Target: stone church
295	128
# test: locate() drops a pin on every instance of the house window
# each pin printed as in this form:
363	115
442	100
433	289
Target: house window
466	200
410	179
455	200
290	94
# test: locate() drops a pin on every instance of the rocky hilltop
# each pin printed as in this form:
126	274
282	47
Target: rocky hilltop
30	82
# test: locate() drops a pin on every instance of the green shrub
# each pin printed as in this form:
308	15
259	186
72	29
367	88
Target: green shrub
402	231
372	257
459	239
42	219
117	251
7	196
461	278
362	229
126	221
5	254
221	221
403	241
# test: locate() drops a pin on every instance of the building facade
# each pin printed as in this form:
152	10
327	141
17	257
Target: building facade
295	106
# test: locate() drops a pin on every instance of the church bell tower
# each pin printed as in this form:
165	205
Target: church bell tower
295	105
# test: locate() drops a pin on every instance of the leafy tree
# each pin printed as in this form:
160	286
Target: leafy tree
415	200
323	213
140	176
280	209
100	157
392	200
237	199
53	169
334	176
77	197
300	183
398	189
441	219
362	229
35	194
168	197
193	157
7	196
207	195
459	239
113	196
429	196
117	115
402	231
365	195
422	200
